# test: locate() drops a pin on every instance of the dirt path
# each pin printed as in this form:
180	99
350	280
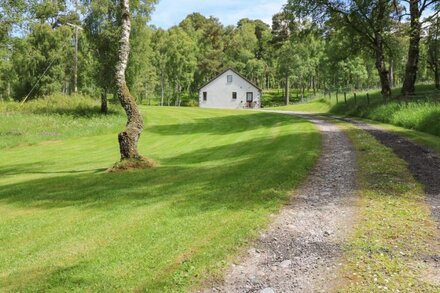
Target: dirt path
423	163
301	250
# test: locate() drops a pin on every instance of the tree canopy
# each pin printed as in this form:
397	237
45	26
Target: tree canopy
315	45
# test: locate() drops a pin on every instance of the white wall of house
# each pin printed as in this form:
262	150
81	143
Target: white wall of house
219	93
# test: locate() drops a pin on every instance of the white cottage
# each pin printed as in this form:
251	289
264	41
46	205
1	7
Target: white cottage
230	90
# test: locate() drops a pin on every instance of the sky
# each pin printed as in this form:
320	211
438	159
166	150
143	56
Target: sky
171	12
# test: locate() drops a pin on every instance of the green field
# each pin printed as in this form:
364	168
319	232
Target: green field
67	225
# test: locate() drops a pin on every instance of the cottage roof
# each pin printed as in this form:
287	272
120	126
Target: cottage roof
236	72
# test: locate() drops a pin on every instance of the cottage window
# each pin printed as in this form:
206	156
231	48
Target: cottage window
249	97
205	96
234	95
229	77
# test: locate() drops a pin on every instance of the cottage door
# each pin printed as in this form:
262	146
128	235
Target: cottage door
249	99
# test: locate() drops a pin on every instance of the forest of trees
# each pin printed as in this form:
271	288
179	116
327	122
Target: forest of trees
311	46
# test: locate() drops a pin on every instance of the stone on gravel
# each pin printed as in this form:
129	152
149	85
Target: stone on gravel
267	290
286	263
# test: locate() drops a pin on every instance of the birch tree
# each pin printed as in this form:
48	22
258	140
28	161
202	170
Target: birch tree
128	138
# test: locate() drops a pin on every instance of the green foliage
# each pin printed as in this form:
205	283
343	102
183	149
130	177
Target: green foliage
167	65
67	225
45	51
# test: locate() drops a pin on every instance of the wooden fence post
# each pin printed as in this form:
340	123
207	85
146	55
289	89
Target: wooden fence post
355	100
345	97
337	99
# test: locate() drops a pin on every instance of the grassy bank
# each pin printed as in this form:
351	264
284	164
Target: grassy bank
67	225
422	115
418	119
428	140
395	238
421	112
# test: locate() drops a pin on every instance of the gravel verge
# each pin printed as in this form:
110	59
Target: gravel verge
423	163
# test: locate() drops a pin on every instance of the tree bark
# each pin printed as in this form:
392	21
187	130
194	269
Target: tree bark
286	92
381	66
411	68
128	139
104	103
437	79
433	52
391	73
162	88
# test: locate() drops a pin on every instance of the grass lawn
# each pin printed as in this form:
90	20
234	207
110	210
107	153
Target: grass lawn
315	106
67	225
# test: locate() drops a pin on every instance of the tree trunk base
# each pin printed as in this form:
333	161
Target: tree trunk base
104	104
132	165
128	144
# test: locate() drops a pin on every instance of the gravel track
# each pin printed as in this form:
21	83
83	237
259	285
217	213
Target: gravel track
301	250
423	163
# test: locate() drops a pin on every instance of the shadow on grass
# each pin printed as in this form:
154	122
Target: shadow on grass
195	183
38	168
226	124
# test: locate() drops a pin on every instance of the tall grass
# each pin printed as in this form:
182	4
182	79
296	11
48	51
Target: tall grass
422	113
54	118
418	115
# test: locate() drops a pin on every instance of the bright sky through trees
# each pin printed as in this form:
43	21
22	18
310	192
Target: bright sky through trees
169	12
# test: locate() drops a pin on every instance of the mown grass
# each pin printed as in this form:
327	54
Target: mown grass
67	225
395	237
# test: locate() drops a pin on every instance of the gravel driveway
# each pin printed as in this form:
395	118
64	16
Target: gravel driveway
301	250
